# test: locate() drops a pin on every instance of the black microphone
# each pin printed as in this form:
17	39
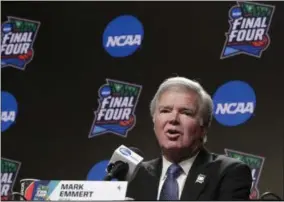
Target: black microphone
124	163
116	170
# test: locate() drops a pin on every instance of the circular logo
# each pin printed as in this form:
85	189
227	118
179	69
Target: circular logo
123	36
234	103
6	28
105	91
9	109
236	12
98	171
125	151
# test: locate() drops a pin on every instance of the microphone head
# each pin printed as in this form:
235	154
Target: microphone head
129	156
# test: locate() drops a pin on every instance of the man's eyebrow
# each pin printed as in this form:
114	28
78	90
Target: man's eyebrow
165	107
190	109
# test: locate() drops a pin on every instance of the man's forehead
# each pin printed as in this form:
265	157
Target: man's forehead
171	99
183	106
174	99
187	94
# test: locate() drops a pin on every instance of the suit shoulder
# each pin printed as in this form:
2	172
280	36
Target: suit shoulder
150	162
228	162
150	165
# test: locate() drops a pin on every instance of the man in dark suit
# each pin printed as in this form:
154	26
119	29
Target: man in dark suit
182	113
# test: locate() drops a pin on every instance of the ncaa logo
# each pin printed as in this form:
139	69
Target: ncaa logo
234	103
125	151
9	109
236	12
123	36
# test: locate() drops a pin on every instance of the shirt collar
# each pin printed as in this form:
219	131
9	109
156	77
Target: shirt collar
185	165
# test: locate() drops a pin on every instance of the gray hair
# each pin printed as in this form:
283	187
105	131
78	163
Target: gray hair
205	104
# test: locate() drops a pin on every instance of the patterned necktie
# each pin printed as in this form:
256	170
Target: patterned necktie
170	189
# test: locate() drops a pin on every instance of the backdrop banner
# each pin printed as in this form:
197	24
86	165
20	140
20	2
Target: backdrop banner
78	79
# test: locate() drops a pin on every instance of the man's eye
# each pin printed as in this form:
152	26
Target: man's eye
188	113
164	110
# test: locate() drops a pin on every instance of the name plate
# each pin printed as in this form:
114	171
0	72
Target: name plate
65	190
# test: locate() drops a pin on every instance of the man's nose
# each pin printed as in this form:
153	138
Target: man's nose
174	119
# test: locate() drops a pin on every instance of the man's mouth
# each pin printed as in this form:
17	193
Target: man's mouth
173	134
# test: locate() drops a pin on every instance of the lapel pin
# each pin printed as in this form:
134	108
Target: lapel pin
200	178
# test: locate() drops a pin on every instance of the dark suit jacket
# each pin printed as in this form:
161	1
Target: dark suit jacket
225	179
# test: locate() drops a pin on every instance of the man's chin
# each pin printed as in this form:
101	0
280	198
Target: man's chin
175	151
172	146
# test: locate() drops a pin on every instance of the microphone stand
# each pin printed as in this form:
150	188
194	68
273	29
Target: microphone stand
17	194
264	195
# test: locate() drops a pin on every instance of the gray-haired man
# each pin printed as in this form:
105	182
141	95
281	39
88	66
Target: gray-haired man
182	113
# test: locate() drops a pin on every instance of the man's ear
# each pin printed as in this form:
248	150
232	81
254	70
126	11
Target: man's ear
153	118
203	130
204	133
201	123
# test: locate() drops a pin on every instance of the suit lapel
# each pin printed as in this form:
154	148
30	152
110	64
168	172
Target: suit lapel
197	177
154	169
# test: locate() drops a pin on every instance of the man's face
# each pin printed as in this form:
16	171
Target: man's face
176	121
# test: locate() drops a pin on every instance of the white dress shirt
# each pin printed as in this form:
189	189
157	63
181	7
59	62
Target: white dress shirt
185	165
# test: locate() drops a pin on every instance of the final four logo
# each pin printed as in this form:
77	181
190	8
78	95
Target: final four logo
117	103
18	36
9	172
248	33
255	163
